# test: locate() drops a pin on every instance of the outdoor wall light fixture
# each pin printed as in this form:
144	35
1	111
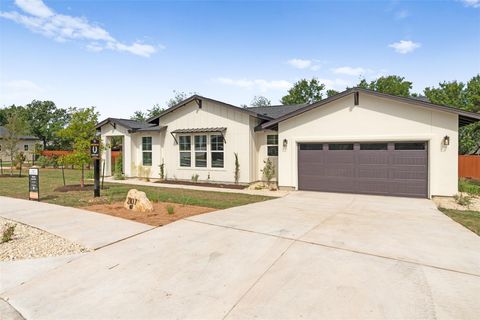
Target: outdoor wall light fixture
285	142
446	140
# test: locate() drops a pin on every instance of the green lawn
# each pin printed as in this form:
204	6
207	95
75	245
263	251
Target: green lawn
50	179
469	185
469	219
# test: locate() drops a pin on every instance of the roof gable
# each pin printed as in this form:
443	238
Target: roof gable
465	117
4	133
130	125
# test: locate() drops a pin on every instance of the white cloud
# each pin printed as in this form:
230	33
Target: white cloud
45	21
261	84
472	3
19	90
304	64
350	71
405	46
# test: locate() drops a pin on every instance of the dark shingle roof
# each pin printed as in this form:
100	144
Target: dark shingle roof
131	125
276	111
4	133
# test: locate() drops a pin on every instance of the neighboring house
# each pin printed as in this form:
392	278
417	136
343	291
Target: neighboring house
357	141
26	145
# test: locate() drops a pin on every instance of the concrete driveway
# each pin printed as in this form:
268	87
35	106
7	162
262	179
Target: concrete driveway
307	255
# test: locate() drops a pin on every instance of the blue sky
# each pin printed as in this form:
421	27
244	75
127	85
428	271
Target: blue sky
121	56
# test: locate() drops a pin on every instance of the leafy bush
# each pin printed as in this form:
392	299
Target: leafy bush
469	186
195	177
118	175
463	200
8	232
237	169
268	170
170	209
162	171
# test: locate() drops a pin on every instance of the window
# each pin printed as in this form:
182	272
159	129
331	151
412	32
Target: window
410	146
373	146
25	147
272	145
185	146
340	146
201	151
311	146
147	151
216	149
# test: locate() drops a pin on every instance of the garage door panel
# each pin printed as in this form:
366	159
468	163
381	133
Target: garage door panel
385	172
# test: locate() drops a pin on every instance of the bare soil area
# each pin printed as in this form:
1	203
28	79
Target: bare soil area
450	203
158	217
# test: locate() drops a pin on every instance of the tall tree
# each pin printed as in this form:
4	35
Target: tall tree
260	101
5	112
178	96
45	120
465	97
331	93
81	130
16	127
304	91
394	85
139	116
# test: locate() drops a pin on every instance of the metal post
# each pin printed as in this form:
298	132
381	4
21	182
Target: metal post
103	173
96	177
63	172
1	167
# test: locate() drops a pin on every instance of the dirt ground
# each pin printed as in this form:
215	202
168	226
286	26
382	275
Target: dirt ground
158	217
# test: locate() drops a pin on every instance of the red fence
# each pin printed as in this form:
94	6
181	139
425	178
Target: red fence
52	153
469	167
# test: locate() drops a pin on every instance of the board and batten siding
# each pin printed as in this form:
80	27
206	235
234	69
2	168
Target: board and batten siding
237	136
375	119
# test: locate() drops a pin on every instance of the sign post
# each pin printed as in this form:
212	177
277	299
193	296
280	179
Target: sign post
95	155
33	184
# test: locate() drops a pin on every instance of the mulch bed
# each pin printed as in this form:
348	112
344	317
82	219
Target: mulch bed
205	184
75	187
158	217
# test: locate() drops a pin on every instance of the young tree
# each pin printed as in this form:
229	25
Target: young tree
81	130
304	91
260	101
393	85
45	120
15	127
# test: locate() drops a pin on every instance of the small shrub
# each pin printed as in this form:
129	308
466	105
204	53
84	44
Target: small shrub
237	169
268	170
118	175
162	171
463	200
8	232
170	209
195	177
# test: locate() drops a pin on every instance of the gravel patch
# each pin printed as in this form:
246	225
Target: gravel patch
450	203
29	242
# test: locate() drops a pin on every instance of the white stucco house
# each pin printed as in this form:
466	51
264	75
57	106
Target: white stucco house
25	144
358	141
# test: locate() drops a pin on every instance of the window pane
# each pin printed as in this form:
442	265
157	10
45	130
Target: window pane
410	146
184	143
201	143
272	151
217	159
272	139
201	159
185	159
373	146
147	158
340	146
25	147
311	146
146	143
216	142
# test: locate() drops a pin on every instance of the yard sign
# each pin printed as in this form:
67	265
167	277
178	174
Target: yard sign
33	184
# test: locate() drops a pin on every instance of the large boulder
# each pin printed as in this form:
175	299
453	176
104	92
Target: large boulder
138	201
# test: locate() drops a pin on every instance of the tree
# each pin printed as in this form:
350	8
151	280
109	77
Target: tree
331	93
139	116
304	91
5	112
465	97
16	127
260	101
178	96
81	130
393	85
45	120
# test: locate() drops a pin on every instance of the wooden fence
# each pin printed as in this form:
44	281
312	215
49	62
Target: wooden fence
469	167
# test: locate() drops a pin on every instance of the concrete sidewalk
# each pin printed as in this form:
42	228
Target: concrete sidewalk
89	229
138	182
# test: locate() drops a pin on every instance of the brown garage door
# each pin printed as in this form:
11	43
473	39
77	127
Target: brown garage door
395	168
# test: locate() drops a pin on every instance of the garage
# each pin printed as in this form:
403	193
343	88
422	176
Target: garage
385	168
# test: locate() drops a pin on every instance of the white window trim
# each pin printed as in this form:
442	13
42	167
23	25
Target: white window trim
192	153
151	151
271	145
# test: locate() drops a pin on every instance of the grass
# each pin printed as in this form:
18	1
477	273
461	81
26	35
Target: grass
469	186
50	179
469	219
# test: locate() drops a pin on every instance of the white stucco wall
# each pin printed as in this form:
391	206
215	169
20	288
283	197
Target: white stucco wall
20	147
108	131
375	119
239	127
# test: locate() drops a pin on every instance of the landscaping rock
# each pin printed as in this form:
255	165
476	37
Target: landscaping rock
138	201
